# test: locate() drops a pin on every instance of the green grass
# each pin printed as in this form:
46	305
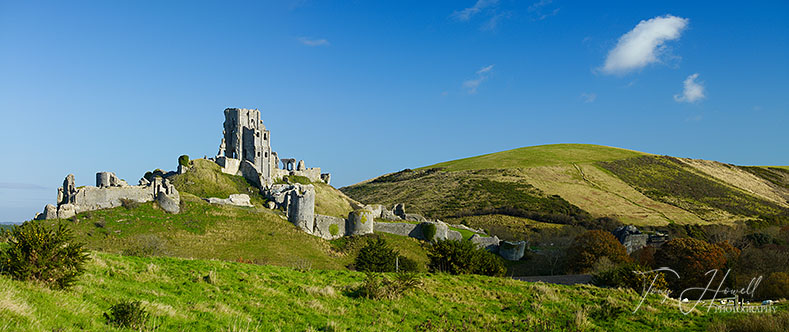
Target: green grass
205	231
204	179
668	180
225	296
541	155
442	195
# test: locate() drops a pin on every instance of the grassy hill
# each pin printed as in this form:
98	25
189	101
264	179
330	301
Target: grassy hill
541	155
184	294
580	184
231	233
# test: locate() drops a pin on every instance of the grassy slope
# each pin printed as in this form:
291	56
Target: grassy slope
574	173
230	233
542	155
242	297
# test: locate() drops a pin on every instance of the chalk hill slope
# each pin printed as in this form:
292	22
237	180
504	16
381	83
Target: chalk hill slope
580	184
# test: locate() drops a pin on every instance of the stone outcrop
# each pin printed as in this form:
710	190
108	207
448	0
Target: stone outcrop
234	199
512	251
109	192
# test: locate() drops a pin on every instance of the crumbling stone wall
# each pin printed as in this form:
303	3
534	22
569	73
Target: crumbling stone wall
328	227
109	193
301	208
361	222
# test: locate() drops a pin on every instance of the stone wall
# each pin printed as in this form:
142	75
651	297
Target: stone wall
328	227
110	194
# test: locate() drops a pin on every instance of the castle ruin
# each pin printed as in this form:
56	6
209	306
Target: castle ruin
245	150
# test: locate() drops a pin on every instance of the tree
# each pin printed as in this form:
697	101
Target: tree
183	160
376	256
463	257
589	247
47	254
691	259
775	286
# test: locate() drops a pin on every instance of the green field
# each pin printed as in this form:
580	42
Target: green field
215	295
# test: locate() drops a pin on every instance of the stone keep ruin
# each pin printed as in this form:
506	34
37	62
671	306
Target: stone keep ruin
245	151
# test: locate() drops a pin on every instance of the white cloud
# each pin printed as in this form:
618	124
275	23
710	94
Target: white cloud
482	75
467	13
314	42
589	97
644	44
692	92
540	10
493	22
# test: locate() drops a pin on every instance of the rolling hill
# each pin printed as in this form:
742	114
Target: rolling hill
580	184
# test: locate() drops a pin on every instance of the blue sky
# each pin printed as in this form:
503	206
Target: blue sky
362	88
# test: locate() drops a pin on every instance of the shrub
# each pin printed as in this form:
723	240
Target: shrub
183	160
775	322
45	254
628	275
589	247
759	239
463	257
145	245
377	286
128	314
691	259
775	286
645	256
376	256
334	229
129	203
408	265
428	231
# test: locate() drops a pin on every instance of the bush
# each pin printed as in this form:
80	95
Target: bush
691	259
759	239
627	276
591	246
128	314
377	286
145	245
463	257
376	256
183	160
644	256
775	286
408	265
129	203
428	231
45	254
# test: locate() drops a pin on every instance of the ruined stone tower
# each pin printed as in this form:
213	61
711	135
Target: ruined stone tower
247	142
246	151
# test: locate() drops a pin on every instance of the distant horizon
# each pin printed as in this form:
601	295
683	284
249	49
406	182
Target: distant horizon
361	89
